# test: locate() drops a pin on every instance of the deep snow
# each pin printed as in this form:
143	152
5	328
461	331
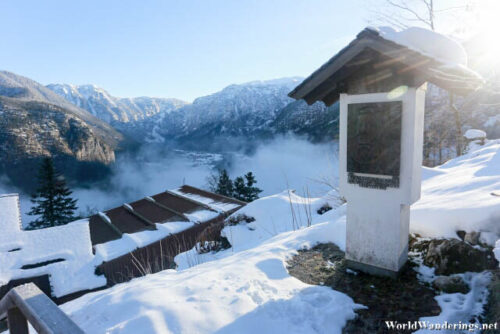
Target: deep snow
247	289
428	43
462	194
244	291
69	242
71	246
9	214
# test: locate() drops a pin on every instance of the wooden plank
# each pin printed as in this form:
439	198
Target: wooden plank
5	304
42	313
17	321
328	69
332	84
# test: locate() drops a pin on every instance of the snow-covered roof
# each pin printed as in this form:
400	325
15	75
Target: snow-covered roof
64	253
188	205
384	57
426	42
472	134
123	229
10	215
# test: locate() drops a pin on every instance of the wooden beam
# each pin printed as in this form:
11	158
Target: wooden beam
379	76
363	62
332	66
17	321
414	66
389	62
5	304
36	307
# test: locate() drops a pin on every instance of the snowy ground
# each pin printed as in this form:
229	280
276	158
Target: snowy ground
462	194
247	289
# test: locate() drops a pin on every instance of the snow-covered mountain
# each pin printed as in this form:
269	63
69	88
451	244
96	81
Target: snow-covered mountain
240	115
112	109
315	122
257	103
36	123
246	111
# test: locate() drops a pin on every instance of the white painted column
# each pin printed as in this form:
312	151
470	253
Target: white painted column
379	238
378	219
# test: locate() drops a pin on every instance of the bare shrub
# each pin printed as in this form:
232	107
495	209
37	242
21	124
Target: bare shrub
324	208
210	240
237	219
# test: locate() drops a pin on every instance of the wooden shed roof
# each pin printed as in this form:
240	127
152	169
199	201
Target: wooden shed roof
162	208
373	60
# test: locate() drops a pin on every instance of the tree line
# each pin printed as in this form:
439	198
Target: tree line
242	187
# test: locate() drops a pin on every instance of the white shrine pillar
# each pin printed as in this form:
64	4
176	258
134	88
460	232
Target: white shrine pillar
380	81
380	183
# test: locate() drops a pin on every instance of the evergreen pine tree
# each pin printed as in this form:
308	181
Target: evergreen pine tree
52	201
225	184
240	189
252	192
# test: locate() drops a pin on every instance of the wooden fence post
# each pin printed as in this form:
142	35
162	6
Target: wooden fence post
17	321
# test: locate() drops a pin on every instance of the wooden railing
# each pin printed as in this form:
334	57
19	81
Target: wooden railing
28	303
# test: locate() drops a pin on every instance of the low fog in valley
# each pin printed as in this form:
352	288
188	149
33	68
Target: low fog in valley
283	163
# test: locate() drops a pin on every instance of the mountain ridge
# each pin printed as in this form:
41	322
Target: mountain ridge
37	123
111	109
249	110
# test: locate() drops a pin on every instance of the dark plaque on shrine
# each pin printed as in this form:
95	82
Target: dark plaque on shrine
374	143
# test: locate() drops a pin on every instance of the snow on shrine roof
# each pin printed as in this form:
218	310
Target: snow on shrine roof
427	43
10	215
386	56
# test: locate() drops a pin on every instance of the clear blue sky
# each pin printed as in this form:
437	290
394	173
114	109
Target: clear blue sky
182	49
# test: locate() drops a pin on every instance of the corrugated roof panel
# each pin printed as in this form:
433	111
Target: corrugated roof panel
100	231
216	197
126	221
153	212
176	203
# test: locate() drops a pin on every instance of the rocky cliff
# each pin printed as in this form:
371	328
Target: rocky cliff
35	123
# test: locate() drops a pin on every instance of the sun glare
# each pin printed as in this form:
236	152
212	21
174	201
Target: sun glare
486	42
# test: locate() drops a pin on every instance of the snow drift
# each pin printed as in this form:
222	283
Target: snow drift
247	289
462	194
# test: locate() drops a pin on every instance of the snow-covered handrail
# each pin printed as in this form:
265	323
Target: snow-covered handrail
28	303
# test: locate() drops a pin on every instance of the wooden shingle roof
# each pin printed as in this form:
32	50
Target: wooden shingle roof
370	60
